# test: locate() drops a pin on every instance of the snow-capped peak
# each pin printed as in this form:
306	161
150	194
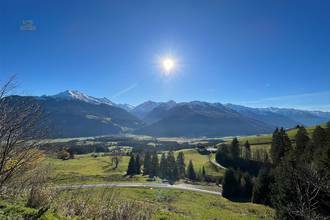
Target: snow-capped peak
77	95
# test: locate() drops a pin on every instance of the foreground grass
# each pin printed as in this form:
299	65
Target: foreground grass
176	204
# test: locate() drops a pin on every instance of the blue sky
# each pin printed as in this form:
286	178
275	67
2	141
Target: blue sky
257	53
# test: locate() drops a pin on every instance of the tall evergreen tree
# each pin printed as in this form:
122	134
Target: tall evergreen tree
248	186
319	137
137	165
154	170
280	145
203	173
147	163
318	142
302	140
262	187
275	149
322	159
327	131
191	174
131	166
181	165
247	150
171	167
230	184
222	154
235	149
163	166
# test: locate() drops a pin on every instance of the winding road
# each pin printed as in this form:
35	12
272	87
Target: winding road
187	187
217	164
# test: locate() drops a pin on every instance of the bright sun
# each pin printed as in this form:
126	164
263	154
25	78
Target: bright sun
168	64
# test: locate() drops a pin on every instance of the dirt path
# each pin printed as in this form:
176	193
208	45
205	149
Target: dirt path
188	187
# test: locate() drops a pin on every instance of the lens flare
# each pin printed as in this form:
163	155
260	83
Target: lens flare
168	64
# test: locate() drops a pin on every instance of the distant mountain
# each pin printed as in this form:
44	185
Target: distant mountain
196	119
143	109
158	112
73	114
302	116
127	107
272	118
77	95
283	117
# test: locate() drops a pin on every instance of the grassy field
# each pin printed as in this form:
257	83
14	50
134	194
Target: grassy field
162	204
202	160
175	204
88	169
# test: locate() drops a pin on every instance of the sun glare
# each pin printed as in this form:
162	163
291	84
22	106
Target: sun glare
168	64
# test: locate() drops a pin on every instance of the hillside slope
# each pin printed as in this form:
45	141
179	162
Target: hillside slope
203	119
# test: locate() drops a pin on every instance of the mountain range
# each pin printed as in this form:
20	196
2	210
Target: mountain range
72	113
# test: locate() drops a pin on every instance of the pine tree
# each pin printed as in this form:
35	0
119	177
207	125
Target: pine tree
163	167
281	145
223	154
319	141
302	140
203	174
322	159
190	171
230	184
248	186
181	165
262	188
235	149
137	165
275	147
171	167
147	163
247	152
154	170
327	131
131	166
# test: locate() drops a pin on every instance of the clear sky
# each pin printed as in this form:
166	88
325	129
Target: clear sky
257	53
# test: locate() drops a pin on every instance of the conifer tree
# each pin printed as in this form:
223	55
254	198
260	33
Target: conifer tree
181	165
203	173
137	165
281	145
163	166
230	184
319	137
171	167
235	150
191	174
302	140
262	188
131	166
247	151
147	163
154	170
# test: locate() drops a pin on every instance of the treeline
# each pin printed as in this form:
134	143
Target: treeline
75	147
295	181
238	180
167	167
298	183
240	158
